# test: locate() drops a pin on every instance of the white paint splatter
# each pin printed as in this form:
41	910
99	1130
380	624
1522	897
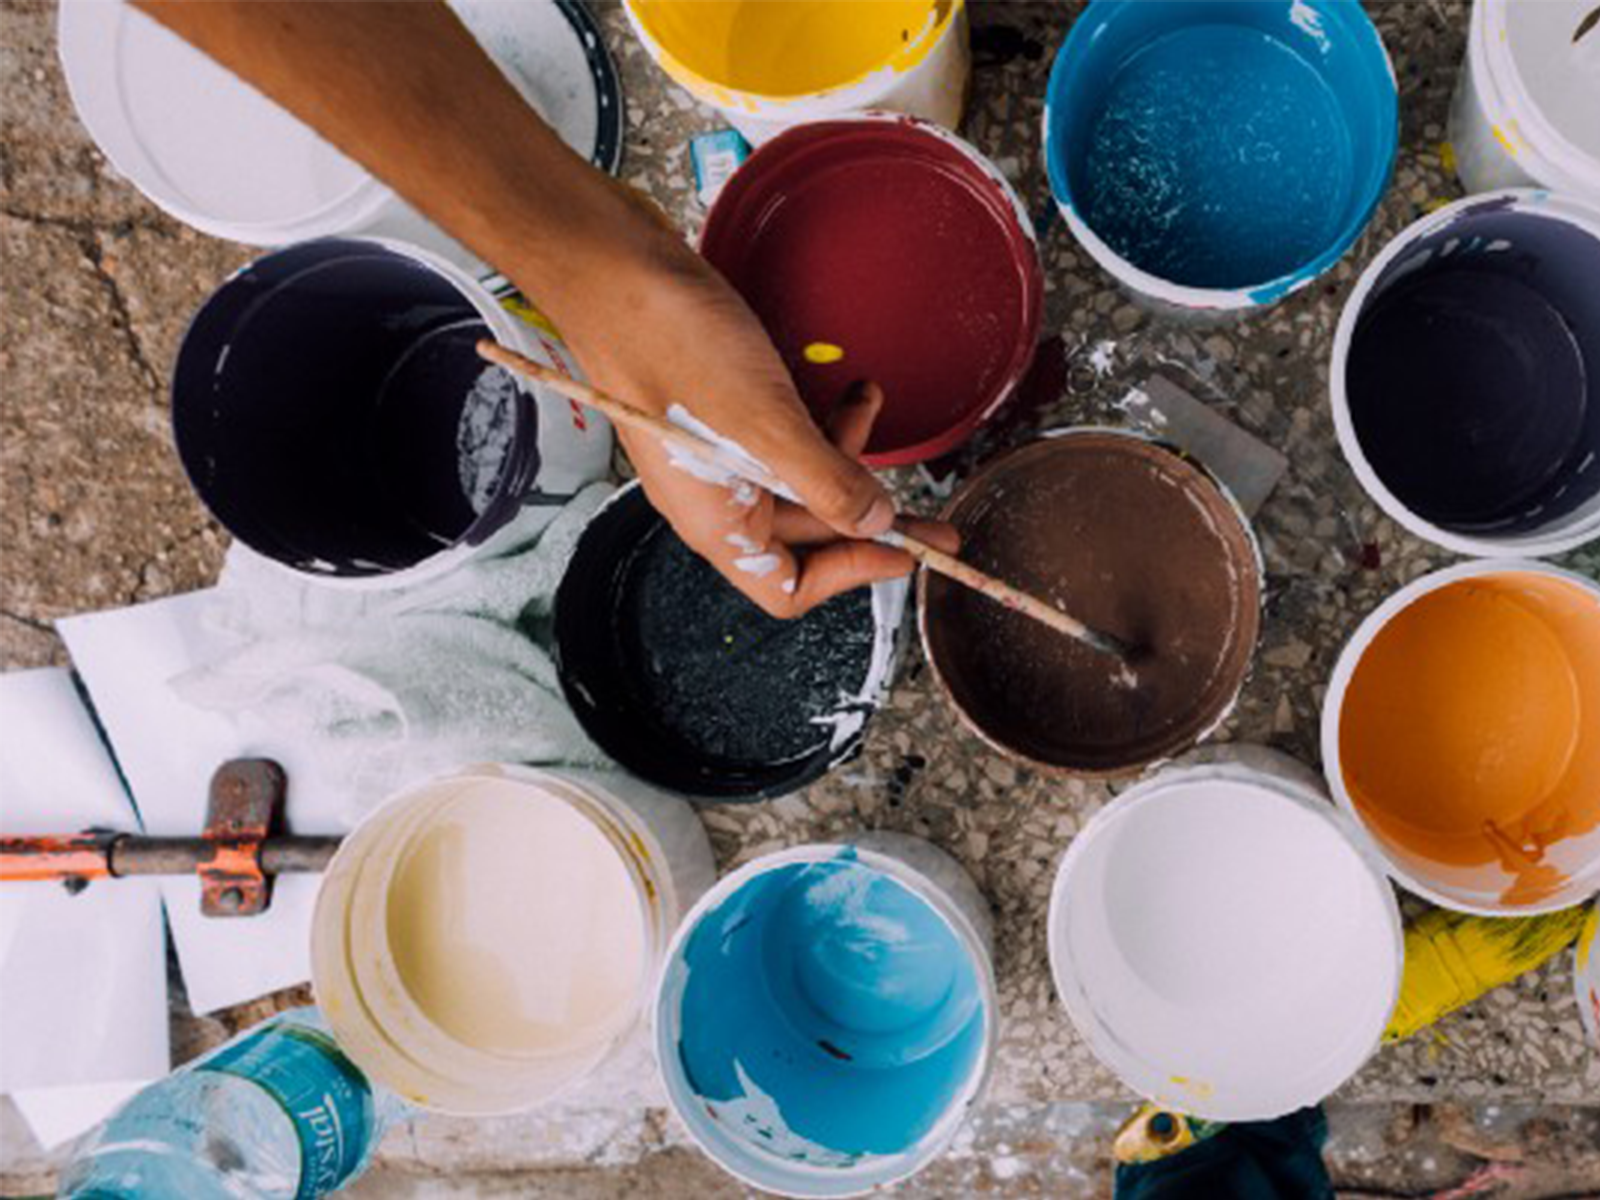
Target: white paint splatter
1306	18
743	544
759	565
1102	357
789	585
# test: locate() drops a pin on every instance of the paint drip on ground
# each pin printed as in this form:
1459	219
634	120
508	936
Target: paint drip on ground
828	1014
723	678
1220	159
877	250
515	925
1469	736
1130	539
787	47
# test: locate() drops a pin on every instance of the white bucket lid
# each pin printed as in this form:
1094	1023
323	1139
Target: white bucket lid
218	155
1223	945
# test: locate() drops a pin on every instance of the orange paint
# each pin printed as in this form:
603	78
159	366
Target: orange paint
1470	732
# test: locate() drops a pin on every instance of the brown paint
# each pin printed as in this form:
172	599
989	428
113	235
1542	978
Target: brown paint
1130	538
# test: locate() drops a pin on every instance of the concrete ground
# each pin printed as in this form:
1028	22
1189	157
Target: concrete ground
96	286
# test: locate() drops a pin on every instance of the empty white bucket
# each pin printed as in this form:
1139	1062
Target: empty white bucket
486	940
1221	941
1527	103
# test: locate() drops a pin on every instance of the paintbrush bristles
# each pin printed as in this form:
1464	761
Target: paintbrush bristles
930	557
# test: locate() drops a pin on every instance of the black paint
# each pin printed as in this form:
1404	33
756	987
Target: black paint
684	681
1474	374
316	405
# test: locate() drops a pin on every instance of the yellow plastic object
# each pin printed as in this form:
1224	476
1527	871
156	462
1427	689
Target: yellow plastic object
1452	959
1154	1133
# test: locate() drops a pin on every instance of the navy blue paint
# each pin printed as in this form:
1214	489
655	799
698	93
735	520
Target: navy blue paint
1474	373
840	994
1220	144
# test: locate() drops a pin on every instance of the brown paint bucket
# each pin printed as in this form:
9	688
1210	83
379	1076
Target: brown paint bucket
1130	537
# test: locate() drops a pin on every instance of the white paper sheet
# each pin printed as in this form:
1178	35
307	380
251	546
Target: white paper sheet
168	750
83	979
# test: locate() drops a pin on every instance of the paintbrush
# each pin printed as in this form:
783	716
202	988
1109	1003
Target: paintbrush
741	467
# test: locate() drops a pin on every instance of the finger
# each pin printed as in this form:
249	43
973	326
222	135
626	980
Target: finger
838	489
797	527
850	424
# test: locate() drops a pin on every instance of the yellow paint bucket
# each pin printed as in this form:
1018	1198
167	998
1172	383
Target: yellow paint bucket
770	64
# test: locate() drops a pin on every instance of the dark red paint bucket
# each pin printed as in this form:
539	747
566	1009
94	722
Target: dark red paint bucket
882	247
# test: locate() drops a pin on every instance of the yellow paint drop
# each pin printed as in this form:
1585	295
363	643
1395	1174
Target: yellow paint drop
1447	157
823	352
786	48
1505	142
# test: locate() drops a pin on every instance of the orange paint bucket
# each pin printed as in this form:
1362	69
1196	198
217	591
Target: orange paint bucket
1462	729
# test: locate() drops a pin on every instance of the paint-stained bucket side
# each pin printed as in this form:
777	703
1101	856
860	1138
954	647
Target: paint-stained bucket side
1586	976
1488	805
1221	939
866	1072
1124	72
1508	276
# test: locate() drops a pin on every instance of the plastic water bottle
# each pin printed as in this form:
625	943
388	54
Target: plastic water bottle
278	1113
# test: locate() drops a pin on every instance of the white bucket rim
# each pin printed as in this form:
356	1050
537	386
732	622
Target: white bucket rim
1333	704
85	34
1543	151
829	1179
1534	544
836	100
383	834
1122	1061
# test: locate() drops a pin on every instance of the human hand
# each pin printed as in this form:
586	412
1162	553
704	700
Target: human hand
658	328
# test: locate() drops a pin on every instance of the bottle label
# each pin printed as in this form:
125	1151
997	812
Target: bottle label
326	1098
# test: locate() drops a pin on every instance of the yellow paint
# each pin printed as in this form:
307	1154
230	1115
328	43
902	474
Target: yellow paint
1452	959
517	305
1195	1087
1586	939
728	51
823	352
1505	142
1470	732
1447	157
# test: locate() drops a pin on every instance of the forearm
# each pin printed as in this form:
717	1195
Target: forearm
402	87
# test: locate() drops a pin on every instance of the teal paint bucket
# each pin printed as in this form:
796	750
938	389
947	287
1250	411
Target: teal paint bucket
1215	155
827	1015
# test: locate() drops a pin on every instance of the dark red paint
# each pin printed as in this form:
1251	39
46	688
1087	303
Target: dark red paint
882	238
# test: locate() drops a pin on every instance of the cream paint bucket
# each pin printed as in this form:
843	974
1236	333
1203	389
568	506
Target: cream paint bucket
770	64
828	1015
485	940
1586	976
1526	103
1222	942
1466	375
1461	730
218	155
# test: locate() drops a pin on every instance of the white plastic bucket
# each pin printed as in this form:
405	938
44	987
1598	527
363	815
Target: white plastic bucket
218	155
1447	863
294	364
1222	942
1586	976
431	911
1551	245
836	1046
1526	101
923	72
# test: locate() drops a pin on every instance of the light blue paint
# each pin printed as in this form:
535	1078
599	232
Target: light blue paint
1227	145
828	1013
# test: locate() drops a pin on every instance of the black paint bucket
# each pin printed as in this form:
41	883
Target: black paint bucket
693	688
332	412
1466	375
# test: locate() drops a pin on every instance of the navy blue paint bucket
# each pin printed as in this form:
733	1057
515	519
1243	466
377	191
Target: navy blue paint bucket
690	686
827	1015
1218	154
332	412
1466	375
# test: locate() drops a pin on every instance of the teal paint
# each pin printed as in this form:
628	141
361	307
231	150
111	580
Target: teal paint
1236	146
828	1014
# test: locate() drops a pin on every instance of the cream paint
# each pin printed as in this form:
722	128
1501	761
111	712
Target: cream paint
515	925
1561	75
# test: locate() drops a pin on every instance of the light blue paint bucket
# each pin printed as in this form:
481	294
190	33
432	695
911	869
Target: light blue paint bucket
1218	154
827	1015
